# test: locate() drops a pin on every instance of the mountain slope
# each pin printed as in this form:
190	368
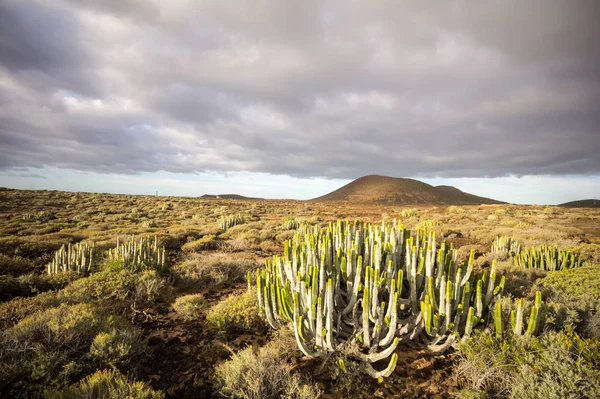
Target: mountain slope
227	196
587	203
376	189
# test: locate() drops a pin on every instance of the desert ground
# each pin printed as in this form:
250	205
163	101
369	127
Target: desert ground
191	327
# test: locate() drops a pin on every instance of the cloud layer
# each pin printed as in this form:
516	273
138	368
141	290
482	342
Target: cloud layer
337	89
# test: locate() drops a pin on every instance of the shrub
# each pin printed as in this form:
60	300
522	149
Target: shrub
214	269
107	384
237	312
120	290
261	376
14	265
189	306
33	284
55	346
577	289
556	365
202	244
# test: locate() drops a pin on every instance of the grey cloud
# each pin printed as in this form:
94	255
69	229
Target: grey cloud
307	89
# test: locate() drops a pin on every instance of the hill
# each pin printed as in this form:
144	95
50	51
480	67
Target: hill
587	203
376	189
227	196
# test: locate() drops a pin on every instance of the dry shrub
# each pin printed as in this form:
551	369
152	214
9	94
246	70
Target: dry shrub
59	345
214	269
205	243
236	312
107	384
120	291
190	306
263	375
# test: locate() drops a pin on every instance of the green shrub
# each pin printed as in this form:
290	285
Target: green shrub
565	368
120	290
189	306
32	284
261	376
237	312
56	346
107	384
205	243
577	289
15	265
556	365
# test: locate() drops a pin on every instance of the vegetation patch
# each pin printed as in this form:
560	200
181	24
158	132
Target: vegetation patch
235	313
58	346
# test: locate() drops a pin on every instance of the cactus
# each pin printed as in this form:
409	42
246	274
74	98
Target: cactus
139	254
546	257
291	224
226	222
78	258
372	287
504	245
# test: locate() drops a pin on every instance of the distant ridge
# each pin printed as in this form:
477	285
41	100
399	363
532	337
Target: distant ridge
227	196
587	203
375	189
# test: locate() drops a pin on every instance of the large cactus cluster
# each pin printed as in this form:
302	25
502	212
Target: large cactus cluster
371	287
547	257
78	258
228	221
139	254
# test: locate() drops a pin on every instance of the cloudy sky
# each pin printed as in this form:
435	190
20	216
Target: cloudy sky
292	99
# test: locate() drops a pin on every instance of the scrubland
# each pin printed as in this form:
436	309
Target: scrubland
159	299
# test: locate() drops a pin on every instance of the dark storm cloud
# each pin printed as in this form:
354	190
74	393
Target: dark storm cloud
306	88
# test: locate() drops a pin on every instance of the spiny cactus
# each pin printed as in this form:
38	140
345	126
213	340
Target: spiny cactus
225	222
409	212
40	216
504	245
139	254
373	287
78	258
546	257
530	325
291	224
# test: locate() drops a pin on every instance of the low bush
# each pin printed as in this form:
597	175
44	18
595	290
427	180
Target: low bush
15	265
556	365
189	306
577	289
263	375
237	312
120	290
202	244
32	284
214	269
107	384
58	346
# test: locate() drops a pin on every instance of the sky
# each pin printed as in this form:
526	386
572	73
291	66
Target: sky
293	99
